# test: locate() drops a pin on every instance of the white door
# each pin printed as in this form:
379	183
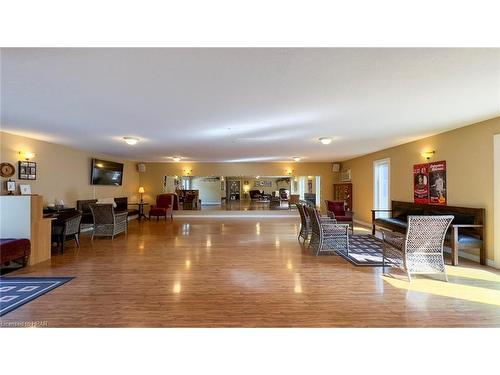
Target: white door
381	185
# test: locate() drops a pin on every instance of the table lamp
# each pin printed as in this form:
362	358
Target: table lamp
141	191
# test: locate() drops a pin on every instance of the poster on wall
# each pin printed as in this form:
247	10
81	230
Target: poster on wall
437	183
421	183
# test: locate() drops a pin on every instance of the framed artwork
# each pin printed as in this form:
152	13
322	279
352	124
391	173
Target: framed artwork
25	189
11	186
262	183
27	170
437	183
421	183
429	183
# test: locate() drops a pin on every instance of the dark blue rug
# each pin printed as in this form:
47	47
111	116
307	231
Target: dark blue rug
16	291
364	250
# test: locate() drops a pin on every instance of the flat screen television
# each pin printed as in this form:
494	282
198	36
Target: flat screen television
106	173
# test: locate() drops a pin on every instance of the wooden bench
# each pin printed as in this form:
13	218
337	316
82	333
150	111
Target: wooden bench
466	230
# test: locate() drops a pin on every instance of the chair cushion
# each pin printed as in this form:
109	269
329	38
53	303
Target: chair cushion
394	221
338	208
343	218
466	240
158	211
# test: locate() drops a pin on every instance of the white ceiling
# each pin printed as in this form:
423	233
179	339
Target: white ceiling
244	104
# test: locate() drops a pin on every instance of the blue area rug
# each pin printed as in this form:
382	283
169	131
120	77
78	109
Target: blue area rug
364	250
16	291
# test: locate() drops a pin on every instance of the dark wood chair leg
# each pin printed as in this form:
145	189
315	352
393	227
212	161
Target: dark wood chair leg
454	247
482	254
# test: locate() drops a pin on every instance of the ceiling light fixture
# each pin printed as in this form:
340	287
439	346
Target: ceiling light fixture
296	158
325	140
131	140
176	158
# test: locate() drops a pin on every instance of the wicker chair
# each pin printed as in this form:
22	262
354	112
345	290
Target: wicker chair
305	224
421	250
305	221
67	226
327	234
107	222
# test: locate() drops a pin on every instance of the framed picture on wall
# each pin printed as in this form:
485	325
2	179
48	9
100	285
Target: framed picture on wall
437	183
421	183
27	170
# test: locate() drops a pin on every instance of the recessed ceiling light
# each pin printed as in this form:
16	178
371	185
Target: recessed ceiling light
176	158
131	140
325	140
296	158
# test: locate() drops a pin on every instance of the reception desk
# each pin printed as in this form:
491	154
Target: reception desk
21	216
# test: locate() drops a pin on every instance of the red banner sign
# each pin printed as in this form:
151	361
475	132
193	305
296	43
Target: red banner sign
421	183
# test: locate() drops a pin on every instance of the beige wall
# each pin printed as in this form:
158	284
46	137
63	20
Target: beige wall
64	172
152	179
468	152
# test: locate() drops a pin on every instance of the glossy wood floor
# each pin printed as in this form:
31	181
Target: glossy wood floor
244	273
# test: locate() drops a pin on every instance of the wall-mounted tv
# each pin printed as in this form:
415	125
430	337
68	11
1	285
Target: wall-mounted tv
106	172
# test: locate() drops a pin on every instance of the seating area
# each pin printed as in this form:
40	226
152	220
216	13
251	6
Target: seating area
251	188
466	230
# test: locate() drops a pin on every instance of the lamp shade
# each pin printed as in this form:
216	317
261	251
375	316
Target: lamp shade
141	190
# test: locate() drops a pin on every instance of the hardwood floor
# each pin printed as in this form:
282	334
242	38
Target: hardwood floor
232	272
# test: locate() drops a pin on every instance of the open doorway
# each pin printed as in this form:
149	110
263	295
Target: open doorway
243	193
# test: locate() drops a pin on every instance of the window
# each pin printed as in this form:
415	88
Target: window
381	185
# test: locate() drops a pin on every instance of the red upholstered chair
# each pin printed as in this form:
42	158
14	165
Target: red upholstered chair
336	210
163	207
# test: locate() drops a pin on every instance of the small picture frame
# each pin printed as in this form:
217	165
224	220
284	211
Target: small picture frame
27	170
25	189
11	187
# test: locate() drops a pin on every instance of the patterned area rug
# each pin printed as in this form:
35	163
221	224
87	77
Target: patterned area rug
364	250
16	291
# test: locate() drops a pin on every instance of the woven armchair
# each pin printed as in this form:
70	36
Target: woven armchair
305	221
107	222
421	249
67	226
327	234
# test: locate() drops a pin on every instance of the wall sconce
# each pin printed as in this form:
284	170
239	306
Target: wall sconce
27	155
188	171
289	172
428	154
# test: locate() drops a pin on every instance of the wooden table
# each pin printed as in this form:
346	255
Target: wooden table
141	209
